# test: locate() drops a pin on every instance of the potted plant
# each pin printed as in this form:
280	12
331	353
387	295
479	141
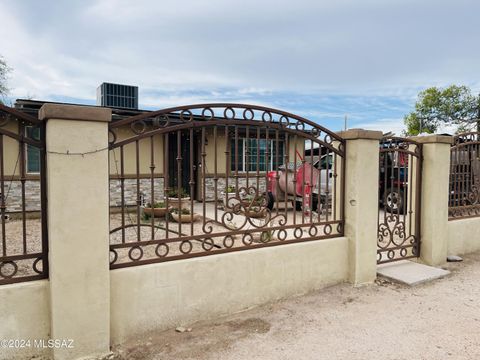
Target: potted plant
174	194
158	209
229	193
253	207
183	215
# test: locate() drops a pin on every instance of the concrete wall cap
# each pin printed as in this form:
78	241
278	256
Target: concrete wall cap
354	134
433	139
75	112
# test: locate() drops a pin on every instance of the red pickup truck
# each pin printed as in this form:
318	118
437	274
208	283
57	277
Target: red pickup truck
302	184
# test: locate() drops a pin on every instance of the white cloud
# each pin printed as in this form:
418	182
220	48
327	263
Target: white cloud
395	126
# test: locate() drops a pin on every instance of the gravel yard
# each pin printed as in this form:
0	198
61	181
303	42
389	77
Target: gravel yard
438	320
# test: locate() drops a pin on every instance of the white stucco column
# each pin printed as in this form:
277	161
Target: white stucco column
78	228
361	202
434	198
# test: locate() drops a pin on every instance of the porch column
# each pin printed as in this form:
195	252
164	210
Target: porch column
78	227
434	198
361	202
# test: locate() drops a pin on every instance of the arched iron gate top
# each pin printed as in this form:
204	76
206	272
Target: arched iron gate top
227	114
401	144
466	139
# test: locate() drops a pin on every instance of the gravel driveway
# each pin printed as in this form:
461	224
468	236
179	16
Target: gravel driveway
439	320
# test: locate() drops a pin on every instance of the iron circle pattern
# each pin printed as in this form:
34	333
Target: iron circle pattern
313	231
267	116
211	114
139	127
208	244
166	250
12	273
36	264
299	126
113	256
186	247
228	241
189	115
112	137
284	121
298	232
131	253
229	113
247	239
282	234
249	112
327	229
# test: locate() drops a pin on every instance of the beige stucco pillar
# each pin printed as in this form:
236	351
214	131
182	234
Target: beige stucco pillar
78	227
361	203
434	198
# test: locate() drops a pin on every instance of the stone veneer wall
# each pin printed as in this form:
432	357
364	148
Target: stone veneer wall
32	191
131	189
13	195
242	182
130	186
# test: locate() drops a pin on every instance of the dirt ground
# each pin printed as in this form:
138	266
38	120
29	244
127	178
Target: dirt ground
438	320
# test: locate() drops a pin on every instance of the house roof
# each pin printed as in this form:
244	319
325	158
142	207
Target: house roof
32	107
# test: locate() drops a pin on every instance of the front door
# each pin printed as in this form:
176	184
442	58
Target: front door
182	169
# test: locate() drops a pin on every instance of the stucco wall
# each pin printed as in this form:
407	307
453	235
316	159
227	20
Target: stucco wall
158	145
463	236
165	295
130	154
24	314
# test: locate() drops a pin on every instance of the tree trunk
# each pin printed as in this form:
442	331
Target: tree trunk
478	117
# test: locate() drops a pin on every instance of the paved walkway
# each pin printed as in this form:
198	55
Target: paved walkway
439	320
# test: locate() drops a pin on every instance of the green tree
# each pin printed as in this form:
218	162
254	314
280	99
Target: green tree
4	70
453	105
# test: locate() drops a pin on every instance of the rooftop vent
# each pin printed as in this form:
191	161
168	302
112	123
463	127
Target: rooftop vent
117	96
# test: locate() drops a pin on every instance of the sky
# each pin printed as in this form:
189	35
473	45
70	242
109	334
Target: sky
319	59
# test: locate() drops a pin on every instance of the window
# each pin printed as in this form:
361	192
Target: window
252	155
32	153
324	160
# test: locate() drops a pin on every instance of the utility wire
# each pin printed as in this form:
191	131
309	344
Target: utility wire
68	153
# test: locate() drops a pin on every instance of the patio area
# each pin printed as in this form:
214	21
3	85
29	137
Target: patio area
214	229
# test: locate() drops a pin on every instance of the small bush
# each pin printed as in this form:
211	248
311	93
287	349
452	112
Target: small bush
182	211
174	193
157	205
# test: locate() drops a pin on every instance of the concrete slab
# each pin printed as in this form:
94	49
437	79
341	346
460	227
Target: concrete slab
410	273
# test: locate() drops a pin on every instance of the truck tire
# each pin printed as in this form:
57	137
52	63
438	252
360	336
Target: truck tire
298	205
270	201
315	203
393	201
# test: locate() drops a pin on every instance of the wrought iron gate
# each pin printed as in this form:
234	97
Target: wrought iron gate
200	180
464	192
399	195
23	205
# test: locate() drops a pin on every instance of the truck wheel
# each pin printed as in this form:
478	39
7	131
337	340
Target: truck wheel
393	200
270	201
315	203
298	205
